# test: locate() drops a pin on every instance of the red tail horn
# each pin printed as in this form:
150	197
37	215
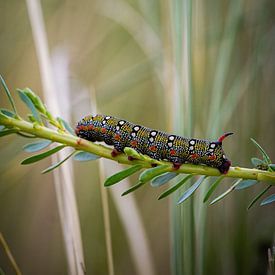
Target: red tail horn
221	138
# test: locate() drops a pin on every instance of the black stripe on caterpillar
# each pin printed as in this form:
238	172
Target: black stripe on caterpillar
156	144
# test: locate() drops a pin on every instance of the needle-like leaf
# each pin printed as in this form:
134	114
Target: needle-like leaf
43	155
174	187
122	175
191	190
55	165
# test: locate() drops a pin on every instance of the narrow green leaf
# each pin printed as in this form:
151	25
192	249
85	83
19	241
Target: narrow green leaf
66	125
191	190
8	113
8	94
122	175
52	167
30	104
174	187
85	156
133	188
226	192
7	132
212	188
153	172
43	155
245	184
265	155
36	146
272	166
258	197
162	179
268	200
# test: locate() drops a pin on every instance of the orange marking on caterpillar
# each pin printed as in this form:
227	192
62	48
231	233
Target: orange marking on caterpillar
103	130
91	127
134	143
117	137
213	157
153	148
173	152
194	156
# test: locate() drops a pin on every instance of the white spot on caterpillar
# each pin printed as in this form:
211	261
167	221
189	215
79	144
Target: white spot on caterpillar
153	133
211	150
170	144
192	142
171	138
212	145
104	122
151	139
121	122
224	156
191	148
136	128
133	134
117	128
107	117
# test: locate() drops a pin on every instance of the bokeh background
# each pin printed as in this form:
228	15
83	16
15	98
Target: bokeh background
195	70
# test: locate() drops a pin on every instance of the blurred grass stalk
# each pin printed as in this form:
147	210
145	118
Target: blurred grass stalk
216	119
129	214
180	95
63	178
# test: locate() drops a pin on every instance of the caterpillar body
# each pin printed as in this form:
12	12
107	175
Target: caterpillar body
156	144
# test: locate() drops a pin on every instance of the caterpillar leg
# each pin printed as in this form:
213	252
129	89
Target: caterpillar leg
176	165
115	153
225	166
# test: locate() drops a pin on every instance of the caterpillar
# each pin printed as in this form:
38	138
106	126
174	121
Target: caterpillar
156	144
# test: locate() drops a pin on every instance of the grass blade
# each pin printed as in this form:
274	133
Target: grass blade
265	156
162	179
30	104
174	187
245	184
43	155
55	165
133	188
268	200
122	175
85	156
191	190
213	188
258	197
36	146
8	94
226	192
153	172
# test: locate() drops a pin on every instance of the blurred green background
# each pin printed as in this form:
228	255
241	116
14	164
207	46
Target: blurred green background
128	56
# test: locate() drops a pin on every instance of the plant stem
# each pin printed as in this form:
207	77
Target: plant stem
87	146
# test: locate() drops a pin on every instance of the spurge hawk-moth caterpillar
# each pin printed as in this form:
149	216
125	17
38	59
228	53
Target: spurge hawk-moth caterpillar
156	144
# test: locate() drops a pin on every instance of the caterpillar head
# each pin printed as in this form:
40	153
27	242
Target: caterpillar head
225	162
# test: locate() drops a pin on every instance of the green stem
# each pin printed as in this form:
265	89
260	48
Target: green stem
87	146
